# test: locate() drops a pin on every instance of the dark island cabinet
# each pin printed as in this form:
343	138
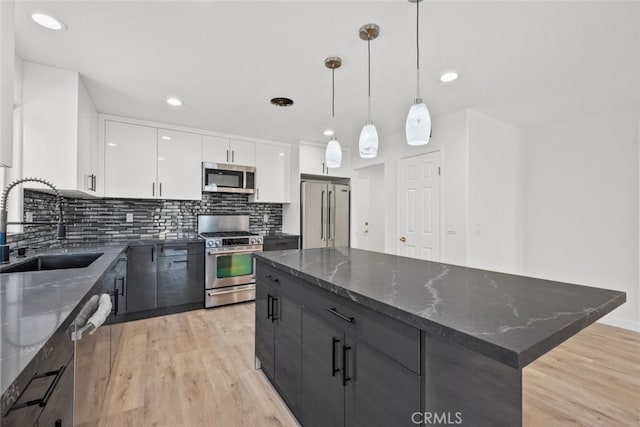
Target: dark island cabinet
379	392
335	363
278	341
322	382
265	329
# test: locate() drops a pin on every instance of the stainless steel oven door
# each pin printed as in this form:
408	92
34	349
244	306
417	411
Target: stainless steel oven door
230	268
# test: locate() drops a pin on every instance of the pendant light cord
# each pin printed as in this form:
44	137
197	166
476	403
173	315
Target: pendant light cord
369	77
333	98
418	49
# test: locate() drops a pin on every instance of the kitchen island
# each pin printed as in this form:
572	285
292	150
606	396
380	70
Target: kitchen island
393	340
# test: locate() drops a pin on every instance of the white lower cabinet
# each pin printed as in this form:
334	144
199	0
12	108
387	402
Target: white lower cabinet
150	163
273	166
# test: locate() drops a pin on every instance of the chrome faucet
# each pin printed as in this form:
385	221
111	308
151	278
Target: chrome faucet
61	232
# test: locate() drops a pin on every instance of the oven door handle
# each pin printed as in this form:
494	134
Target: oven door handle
246	251
213	294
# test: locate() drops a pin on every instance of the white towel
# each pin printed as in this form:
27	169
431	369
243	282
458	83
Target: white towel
88	310
101	314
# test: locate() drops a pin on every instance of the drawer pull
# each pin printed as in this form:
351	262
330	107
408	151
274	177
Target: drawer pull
333	311
273	279
269	307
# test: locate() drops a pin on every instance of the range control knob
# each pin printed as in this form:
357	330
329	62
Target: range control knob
217	243
210	243
259	240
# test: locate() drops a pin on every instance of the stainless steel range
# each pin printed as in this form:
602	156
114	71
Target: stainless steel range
230	269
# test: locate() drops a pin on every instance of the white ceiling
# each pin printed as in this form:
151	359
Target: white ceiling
528	63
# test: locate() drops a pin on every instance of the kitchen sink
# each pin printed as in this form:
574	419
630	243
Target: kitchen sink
53	262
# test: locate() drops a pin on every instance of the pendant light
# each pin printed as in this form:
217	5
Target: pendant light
333	153
368	143
418	126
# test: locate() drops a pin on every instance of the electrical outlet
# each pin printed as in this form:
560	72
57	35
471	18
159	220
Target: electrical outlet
129	217
28	216
451	229
265	218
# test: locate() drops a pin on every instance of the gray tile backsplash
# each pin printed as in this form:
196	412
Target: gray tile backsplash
100	220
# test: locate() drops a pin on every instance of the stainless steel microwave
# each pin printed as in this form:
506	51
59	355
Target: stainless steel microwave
223	178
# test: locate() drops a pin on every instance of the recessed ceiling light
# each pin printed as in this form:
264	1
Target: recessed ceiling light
166	138
282	102
449	76
160	158
174	101
328	132
48	21
281	154
112	144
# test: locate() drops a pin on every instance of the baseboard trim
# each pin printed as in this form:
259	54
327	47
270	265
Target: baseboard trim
621	323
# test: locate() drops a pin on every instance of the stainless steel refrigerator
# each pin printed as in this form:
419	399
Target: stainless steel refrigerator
325	215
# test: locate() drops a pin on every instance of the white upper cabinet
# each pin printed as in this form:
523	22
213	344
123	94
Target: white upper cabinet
179	165
312	161
7	57
273	167
215	149
243	152
60	132
225	150
131	160
150	163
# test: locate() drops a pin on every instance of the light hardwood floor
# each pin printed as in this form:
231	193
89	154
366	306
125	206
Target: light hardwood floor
197	369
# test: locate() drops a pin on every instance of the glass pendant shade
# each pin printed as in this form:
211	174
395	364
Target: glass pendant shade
368	141
333	154
418	127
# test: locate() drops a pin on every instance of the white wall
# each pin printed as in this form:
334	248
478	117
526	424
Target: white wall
582	206
496	197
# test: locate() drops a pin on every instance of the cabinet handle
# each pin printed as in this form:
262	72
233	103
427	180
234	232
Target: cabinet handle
93	180
322	167
115	294
334	370
345	378
273	279
340	315
153	189
180	260
160	189
153	249
123	285
233	156
269	307
227	156
273	309
257	194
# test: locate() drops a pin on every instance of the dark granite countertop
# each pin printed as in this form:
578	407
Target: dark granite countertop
33	305
509	318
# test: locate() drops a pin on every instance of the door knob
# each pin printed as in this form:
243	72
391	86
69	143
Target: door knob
403	239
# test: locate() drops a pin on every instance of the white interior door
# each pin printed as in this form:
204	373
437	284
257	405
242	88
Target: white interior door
419	206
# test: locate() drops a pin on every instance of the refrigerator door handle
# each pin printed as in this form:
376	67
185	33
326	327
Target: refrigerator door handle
322	216
330	219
